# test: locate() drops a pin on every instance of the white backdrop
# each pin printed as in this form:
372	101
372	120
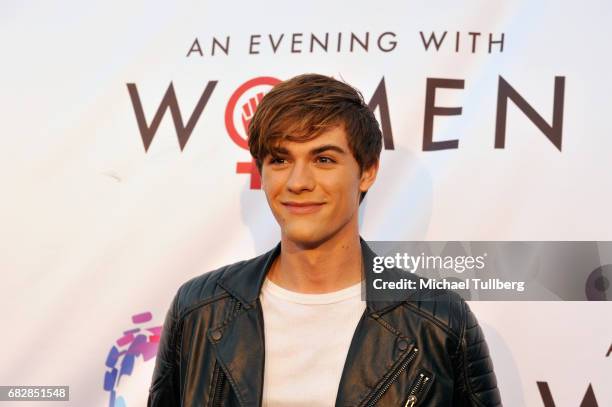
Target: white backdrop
94	229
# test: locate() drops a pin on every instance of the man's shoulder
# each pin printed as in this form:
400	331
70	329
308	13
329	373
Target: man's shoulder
205	288
443	307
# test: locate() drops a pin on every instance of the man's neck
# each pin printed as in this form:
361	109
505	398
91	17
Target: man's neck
331	266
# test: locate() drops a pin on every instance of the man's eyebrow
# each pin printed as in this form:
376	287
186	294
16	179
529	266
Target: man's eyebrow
326	147
314	151
279	151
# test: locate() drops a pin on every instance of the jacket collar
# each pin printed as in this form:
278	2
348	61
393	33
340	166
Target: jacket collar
246	281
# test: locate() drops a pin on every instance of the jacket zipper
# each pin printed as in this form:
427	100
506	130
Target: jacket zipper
417	389
218	373
216	400
392	378
237	307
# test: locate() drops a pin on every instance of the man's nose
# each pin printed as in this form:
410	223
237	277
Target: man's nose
300	178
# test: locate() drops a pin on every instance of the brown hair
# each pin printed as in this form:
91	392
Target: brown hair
301	108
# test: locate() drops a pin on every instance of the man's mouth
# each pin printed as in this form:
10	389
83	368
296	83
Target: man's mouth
302	207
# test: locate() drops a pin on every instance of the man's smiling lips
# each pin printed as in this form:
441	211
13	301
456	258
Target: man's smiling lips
302	207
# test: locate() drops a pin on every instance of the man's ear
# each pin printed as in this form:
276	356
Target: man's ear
368	176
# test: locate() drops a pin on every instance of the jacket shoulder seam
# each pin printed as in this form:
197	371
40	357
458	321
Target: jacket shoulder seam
466	376
203	303
462	327
197	283
430	318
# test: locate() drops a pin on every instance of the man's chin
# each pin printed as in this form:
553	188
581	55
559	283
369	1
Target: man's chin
306	239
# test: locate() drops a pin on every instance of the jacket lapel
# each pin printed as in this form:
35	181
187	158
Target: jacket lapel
239	341
239	347
377	348
376	351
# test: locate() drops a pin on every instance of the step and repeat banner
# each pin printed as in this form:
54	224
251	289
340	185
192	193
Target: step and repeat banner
125	169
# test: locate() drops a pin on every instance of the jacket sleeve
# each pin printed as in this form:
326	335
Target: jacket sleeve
477	383
165	385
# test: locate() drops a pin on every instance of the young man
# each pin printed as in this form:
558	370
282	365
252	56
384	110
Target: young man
289	328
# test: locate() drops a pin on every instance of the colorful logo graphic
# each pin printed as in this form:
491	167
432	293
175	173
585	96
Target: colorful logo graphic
247	96
124	354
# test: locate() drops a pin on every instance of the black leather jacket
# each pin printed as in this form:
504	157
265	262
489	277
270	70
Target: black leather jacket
403	353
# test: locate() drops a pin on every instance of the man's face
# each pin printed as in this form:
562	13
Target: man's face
313	187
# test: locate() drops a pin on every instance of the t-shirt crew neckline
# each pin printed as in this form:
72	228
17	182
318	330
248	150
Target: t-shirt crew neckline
303	298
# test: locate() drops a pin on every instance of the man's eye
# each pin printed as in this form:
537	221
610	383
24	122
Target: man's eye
276	160
325	160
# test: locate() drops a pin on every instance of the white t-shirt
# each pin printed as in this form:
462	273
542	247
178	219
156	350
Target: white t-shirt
307	337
